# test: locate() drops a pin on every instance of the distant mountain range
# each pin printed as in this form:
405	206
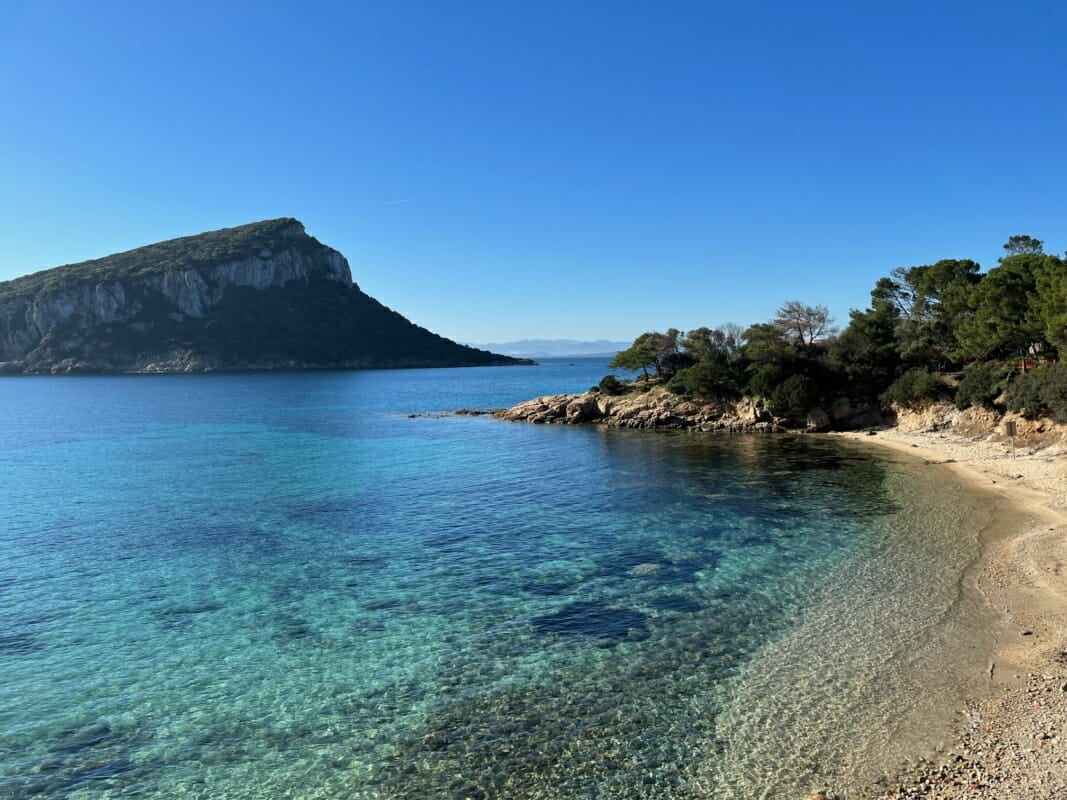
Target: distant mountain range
554	348
261	296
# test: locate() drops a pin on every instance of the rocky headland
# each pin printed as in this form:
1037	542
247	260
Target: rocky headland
259	296
657	408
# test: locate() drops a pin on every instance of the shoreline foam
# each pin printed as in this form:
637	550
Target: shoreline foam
1011	743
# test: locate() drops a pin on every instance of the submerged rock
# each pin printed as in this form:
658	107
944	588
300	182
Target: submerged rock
645	568
587	618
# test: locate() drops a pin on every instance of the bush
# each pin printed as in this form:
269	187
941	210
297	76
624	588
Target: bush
766	378
713	378
677	384
1040	391
795	396
914	387
981	384
610	385
675	363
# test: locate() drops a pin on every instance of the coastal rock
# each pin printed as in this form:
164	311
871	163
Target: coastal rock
259	296
930	417
658	408
652	409
818	420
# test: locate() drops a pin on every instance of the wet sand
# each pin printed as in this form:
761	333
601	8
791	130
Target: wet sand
1010	744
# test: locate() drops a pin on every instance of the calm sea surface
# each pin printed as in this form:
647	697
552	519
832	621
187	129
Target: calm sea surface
287	586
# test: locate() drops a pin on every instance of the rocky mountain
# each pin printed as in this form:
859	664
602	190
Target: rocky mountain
259	296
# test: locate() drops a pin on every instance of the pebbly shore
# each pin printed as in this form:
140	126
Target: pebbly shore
1012	743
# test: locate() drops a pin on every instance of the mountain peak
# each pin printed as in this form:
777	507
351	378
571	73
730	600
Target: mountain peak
265	295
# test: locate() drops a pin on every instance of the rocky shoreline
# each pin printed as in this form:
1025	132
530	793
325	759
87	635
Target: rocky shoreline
1012	744
659	409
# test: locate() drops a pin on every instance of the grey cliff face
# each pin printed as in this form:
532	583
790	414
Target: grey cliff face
25	322
259	296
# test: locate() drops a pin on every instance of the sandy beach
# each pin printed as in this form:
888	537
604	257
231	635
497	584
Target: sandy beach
1011	743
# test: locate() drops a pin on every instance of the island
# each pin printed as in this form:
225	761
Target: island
262	296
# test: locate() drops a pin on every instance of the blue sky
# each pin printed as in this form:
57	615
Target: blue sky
501	170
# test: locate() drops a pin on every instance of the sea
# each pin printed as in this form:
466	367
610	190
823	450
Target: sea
328	585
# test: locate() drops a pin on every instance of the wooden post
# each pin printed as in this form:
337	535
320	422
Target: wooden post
1009	431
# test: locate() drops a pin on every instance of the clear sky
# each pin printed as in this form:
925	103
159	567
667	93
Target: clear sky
502	170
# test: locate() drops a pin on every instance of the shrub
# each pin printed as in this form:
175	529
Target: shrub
914	387
981	383
766	378
675	363
610	385
1054	391
794	396
713	378
1040	391
677	384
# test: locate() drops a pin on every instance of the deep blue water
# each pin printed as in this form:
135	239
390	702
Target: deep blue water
287	585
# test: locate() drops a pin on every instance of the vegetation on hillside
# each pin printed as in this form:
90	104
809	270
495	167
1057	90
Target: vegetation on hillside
942	330
316	322
320	323
188	252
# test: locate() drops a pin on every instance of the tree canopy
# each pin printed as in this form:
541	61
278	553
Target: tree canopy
922	321
805	324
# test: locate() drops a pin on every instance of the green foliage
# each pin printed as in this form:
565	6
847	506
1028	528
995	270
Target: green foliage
189	252
638	356
701	343
1048	306
714	378
320	322
914	387
794	396
1025	394
1040	391
922	320
677	383
765	377
673	363
803	324
866	353
932	300
765	344
610	385
981	384
1020	244
653	349
1004	321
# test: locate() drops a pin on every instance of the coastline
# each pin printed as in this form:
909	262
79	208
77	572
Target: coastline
1008	738
1010	744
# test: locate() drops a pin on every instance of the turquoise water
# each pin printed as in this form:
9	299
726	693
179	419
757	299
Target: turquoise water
238	586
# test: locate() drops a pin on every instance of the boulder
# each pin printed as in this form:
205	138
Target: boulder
818	420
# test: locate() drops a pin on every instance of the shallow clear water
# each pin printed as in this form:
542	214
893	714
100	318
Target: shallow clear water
235	586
